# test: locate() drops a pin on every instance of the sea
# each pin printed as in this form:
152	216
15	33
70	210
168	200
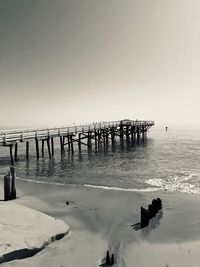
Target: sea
166	160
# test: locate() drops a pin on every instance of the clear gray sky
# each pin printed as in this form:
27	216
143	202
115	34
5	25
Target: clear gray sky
70	61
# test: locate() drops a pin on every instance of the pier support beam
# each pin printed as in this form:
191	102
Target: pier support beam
37	148
79	141
138	133
95	138
121	132
16	148
89	143
68	142
42	148
71	144
52	146
11	155
49	148
143	133
127	132
27	150
61	145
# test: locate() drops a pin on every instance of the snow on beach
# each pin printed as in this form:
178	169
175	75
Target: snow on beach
24	230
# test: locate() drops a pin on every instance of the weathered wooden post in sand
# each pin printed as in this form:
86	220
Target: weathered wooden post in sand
144	217
155	205
151	211
109	260
7	187
10	185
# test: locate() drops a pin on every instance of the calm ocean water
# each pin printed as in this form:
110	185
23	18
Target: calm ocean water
165	161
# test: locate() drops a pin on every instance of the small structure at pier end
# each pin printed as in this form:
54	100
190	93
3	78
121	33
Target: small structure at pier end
99	133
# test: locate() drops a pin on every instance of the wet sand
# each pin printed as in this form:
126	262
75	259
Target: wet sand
103	219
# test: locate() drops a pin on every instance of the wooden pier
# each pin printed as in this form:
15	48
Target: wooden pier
88	135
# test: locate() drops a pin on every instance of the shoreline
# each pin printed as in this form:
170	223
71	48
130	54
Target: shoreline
101	219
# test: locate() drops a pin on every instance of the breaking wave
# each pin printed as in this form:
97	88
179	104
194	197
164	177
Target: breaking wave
185	183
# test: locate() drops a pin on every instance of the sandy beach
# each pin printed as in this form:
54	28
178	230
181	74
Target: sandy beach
103	219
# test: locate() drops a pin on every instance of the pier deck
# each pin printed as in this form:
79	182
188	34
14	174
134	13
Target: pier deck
98	132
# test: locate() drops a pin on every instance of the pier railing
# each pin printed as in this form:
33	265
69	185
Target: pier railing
21	135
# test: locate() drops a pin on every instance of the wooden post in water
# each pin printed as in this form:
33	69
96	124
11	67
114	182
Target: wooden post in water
71	143
37	148
16	147
132	133
107	136
52	146
95	138
88	140
68	141
113	135
121	132
11	155
27	150
99	136
127	132
138	133
142	132
61	145
104	136
79	141
42	148
89	143
48	146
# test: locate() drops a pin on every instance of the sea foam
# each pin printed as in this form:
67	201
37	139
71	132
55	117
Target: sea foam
185	183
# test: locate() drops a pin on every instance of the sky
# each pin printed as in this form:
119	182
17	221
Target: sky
82	61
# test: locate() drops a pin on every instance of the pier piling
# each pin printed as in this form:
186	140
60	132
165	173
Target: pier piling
11	155
52	146
37	148
48	147
27	150
42	148
16	148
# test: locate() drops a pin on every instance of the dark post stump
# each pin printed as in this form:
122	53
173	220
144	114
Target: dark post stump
112	260
155	206
144	217
107	258
151	211
7	187
159	203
